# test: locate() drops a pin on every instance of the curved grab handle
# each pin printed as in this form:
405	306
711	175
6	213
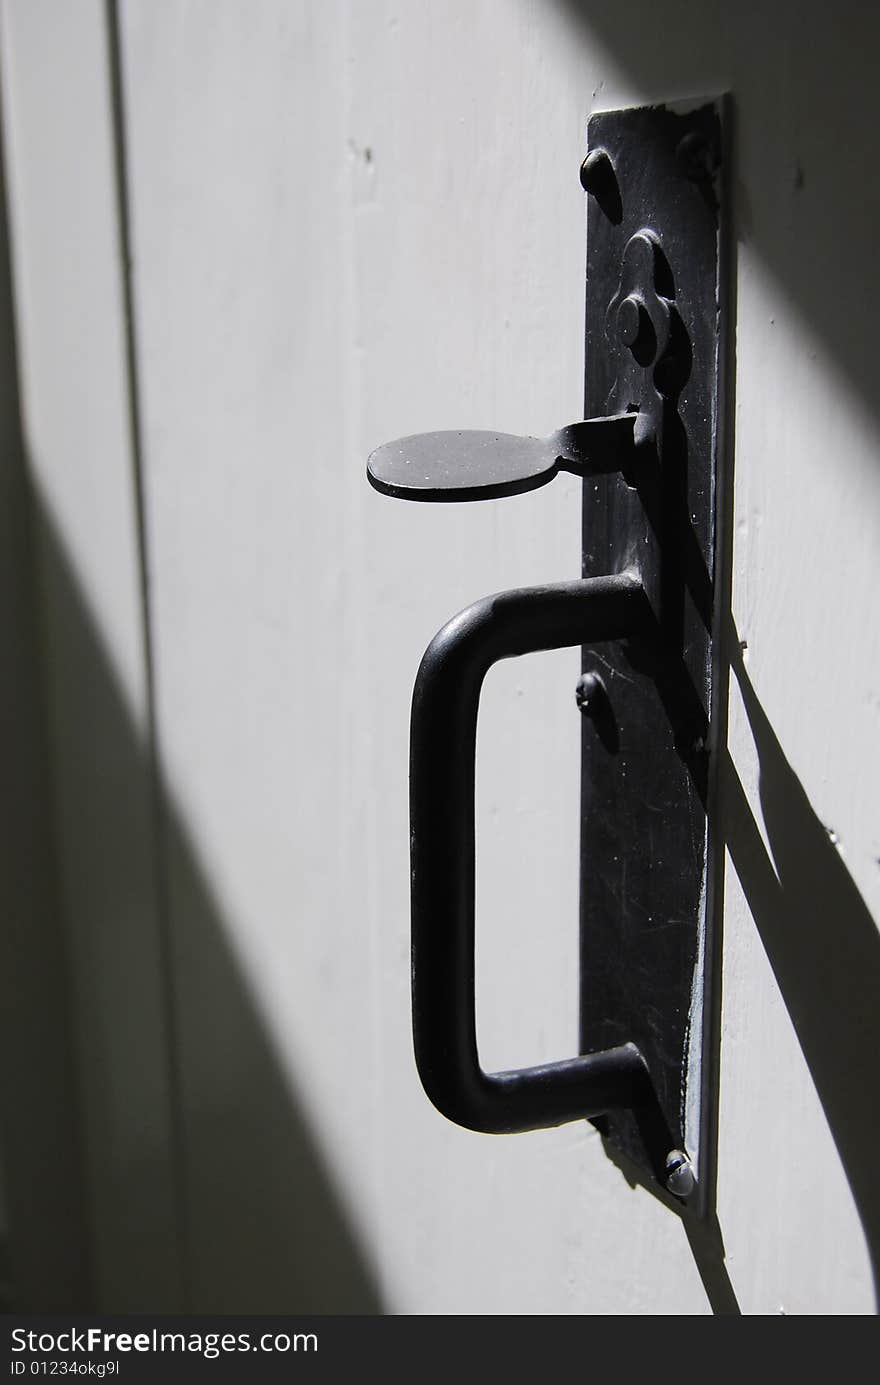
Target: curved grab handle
442	773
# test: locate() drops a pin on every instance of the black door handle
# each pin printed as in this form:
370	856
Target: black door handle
647	450
442	776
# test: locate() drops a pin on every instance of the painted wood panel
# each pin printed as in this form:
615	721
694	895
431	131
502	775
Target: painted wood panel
354	220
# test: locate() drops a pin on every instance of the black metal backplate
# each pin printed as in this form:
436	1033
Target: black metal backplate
652	344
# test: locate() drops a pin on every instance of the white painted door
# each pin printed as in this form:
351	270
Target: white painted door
249	243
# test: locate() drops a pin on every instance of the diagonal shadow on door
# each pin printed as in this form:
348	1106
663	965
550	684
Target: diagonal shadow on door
822	943
261	1224
264	1226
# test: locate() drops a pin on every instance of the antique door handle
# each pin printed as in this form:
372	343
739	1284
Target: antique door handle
655	286
442	773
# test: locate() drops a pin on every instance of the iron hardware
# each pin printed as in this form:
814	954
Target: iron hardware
442	758
645	610
488	466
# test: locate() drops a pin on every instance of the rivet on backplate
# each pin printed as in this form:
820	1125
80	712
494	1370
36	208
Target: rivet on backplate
680	1180
588	691
636	328
599	179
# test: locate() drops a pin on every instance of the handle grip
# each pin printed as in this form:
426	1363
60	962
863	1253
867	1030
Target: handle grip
442	779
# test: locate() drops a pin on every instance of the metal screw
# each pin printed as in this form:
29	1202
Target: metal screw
629	319
636	329
587	692
680	1178
597	173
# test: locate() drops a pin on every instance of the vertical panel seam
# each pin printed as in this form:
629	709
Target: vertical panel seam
153	754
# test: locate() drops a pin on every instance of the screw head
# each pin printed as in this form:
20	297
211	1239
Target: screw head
636	329
680	1180
629	319
597	172
588	689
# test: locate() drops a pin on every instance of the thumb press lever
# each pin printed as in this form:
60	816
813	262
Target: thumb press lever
486	466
